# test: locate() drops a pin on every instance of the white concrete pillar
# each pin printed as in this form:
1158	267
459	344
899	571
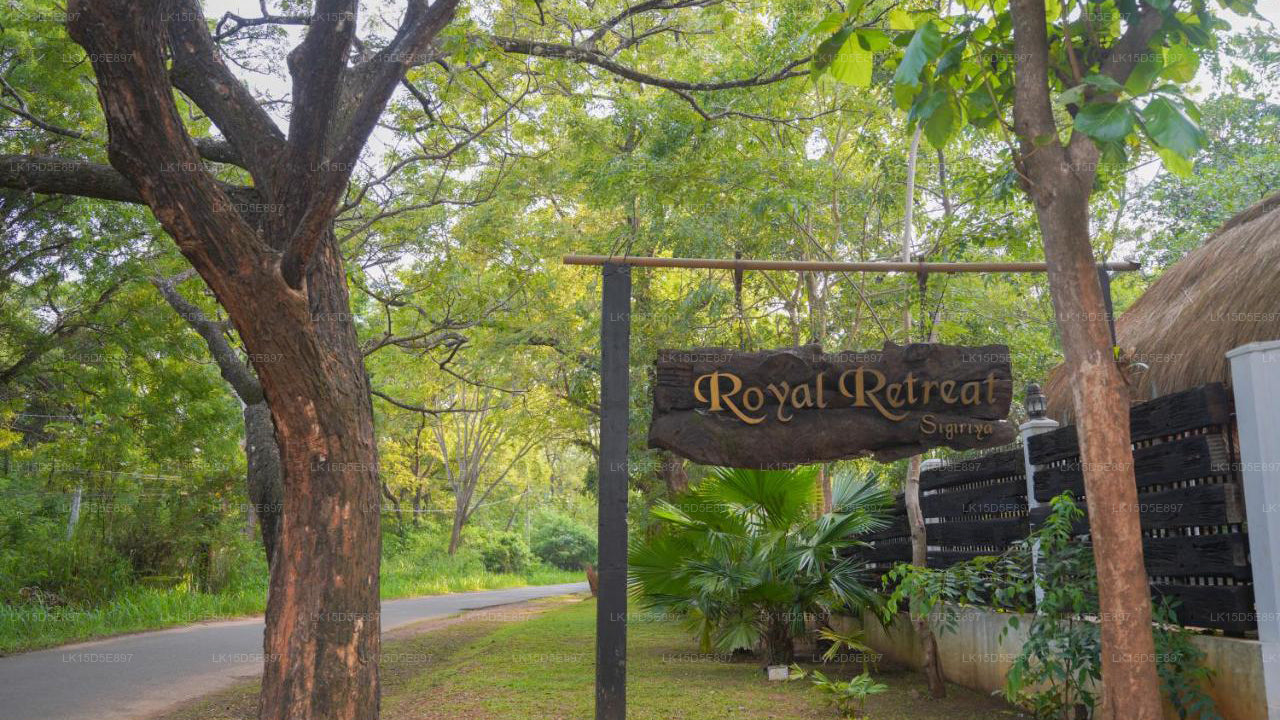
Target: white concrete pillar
1034	426
1255	373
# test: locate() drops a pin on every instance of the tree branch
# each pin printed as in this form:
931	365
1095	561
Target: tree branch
374	82
233	370
418	408
144	122
54	175
591	57
199	72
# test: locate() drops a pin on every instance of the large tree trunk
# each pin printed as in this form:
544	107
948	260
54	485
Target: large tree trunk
323	621
455	533
1059	179
1131	688
278	271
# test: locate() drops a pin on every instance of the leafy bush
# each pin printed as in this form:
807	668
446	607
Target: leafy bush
505	552
564	544
846	696
742	557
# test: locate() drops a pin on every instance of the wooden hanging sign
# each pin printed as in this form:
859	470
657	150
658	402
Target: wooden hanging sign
779	408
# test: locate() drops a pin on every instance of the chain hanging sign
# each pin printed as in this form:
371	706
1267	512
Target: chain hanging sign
777	408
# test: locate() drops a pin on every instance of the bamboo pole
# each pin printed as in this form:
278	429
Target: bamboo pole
830	266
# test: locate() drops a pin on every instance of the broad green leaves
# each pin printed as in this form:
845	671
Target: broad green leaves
827	52
1144	73
852	65
925	45
1168	121
848	53
957	67
1105	121
1170	126
1180	63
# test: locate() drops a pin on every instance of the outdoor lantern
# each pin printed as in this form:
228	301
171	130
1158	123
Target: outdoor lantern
1034	402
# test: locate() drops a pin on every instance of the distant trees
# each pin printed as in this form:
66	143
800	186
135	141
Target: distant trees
478	446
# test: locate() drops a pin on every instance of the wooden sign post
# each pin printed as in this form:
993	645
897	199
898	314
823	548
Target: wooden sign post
611	603
844	425
795	406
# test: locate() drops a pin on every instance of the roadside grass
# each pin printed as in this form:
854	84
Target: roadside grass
31	627
490	666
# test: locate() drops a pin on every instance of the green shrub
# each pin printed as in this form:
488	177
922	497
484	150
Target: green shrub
742	557
562	543
505	552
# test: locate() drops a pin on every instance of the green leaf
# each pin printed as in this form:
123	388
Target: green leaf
827	51
1142	75
1170	127
1104	83
852	64
925	105
925	45
1106	121
952	57
1175	163
1070	96
978	102
903	96
941	123
873	40
1180	63
829	24
900	20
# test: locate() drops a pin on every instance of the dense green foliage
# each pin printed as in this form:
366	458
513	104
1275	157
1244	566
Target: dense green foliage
563	543
505	552
744	559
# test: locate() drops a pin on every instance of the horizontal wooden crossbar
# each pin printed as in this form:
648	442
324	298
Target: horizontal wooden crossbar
832	266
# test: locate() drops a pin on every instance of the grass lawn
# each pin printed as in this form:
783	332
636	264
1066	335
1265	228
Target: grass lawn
515	666
31	627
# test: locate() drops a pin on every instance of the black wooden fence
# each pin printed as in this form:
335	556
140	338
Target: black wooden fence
1189	492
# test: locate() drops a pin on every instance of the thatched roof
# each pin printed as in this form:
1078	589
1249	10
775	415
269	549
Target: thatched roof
1222	295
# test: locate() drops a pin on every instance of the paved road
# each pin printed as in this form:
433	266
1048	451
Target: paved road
134	676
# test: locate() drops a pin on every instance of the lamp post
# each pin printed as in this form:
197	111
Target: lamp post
1036	424
1034	402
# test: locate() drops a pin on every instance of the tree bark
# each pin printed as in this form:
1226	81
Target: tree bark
824	488
779	644
323	620
455	533
1059	179
671	470
262	474
932	664
1131	687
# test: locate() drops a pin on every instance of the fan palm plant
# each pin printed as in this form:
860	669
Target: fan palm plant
743	559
